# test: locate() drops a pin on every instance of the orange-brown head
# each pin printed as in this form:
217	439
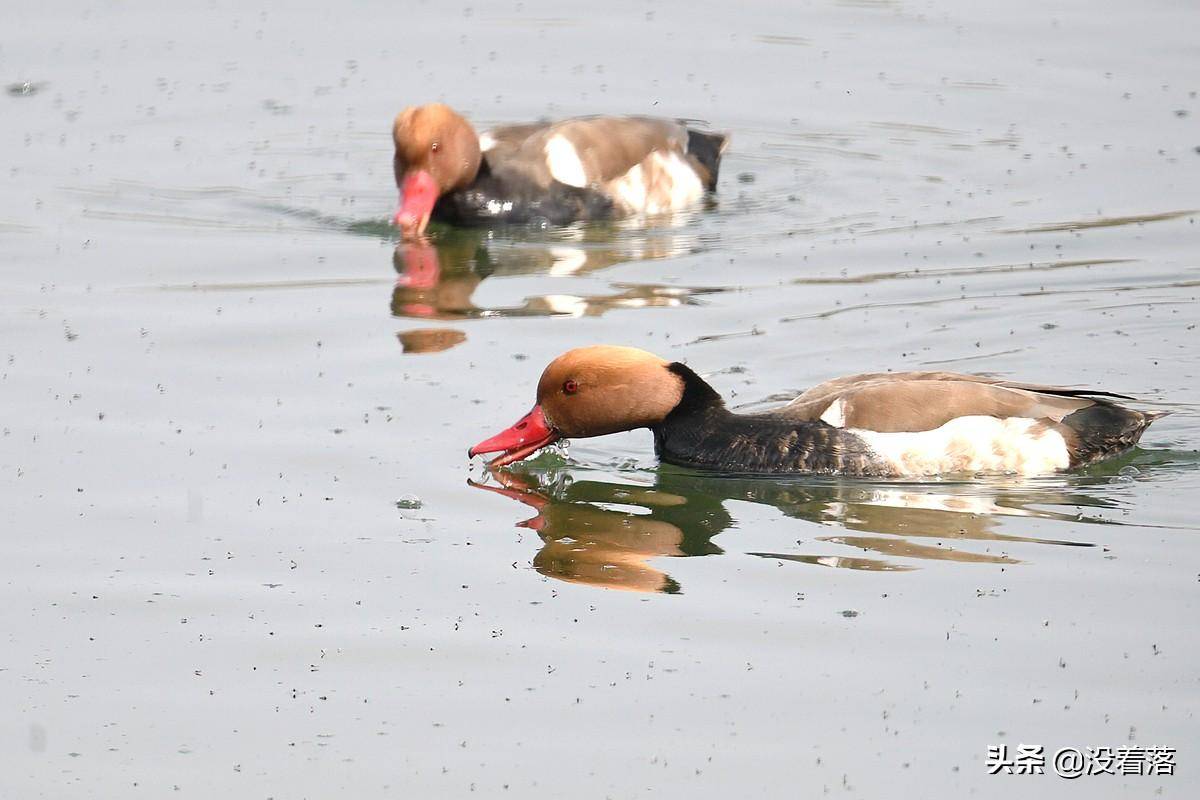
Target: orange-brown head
437	151
590	391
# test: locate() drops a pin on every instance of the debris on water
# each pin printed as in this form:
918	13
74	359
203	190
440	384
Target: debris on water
714	337
849	613
275	107
24	88
747	177
409	502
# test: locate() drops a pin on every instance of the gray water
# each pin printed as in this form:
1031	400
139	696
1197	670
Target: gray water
243	552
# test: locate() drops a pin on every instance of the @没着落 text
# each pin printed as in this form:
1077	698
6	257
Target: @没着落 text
1076	762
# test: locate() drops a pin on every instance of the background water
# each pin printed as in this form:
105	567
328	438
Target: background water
224	395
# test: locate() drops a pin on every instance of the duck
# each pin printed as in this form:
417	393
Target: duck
577	169
872	425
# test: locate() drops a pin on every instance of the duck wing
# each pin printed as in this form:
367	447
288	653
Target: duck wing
595	150
923	401
502	142
590	151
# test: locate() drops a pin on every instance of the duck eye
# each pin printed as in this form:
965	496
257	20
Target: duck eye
436	147
570	387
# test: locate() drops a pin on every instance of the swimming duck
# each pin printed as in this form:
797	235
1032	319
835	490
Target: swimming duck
884	424
585	168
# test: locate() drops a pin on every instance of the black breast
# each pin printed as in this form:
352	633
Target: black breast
758	444
702	433
510	197
1103	430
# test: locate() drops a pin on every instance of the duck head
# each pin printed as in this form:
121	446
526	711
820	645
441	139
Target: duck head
437	151
590	391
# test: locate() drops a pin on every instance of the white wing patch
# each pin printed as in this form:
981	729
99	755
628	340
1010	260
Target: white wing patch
972	444
662	183
835	415
486	141
563	160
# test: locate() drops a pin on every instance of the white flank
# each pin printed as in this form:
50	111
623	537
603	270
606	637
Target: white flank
972	444
629	190
661	184
835	415
686	188
563	160
486	141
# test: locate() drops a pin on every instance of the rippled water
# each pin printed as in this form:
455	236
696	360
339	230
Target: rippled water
243	550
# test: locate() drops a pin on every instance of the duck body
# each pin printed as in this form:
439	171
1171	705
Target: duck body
909	424
879	425
703	434
578	169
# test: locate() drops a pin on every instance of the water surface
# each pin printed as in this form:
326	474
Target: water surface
243	550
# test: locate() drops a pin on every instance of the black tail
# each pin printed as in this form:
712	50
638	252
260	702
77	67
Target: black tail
1106	429
706	150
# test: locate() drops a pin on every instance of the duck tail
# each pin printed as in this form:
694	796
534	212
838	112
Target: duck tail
706	150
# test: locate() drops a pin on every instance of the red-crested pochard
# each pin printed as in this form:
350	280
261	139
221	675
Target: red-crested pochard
874	425
586	168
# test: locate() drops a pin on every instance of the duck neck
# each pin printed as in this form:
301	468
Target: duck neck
701	432
697	431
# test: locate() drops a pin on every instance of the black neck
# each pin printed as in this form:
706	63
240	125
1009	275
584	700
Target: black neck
701	432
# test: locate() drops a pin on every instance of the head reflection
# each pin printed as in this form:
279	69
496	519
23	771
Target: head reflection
614	533
605	534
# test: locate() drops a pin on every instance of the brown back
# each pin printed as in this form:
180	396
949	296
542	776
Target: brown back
922	401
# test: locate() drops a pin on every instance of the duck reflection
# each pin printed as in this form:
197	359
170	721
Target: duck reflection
590	534
437	278
608	532
430	340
